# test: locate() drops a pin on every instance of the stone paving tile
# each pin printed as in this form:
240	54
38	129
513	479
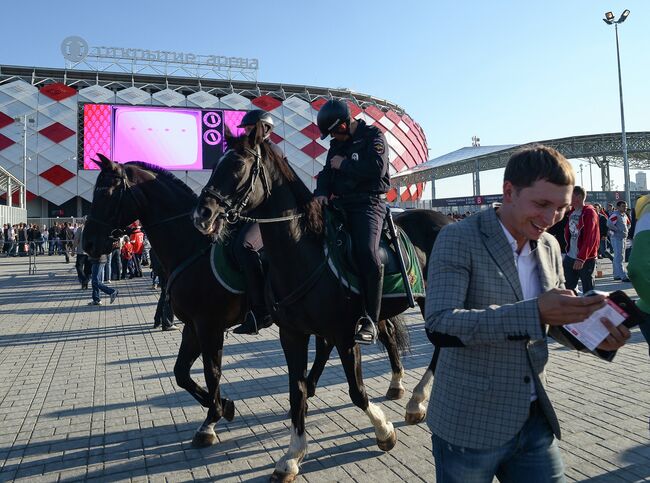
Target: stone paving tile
88	393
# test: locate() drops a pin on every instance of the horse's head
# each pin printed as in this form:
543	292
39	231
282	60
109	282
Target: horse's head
239	183
109	211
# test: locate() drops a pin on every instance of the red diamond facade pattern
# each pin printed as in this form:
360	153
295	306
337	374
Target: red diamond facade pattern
5	120
275	138
57	132
58	91
57	175
267	103
311	131
5	142
409	141
14	197
313	149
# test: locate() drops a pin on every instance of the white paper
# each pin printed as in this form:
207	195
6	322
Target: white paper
591	331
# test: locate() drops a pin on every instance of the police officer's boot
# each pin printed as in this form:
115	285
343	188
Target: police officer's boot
367	324
258	317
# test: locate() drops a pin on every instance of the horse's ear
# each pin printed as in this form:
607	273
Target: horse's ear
104	163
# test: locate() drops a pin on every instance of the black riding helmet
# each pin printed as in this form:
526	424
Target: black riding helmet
252	117
331	115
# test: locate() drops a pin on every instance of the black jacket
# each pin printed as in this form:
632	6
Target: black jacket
364	169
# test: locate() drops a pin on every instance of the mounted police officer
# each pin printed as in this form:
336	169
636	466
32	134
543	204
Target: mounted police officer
356	174
248	243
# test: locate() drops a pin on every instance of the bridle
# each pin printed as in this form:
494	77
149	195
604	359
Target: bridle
233	212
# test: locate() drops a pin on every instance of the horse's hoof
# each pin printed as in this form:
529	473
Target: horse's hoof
415	418
229	410
281	477
388	444
395	393
203	440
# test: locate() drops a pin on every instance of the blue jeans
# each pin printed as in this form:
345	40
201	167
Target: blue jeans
645	329
97	278
531	456
618	251
107	268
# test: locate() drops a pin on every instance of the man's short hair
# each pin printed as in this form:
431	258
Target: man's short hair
620	203
538	162
579	190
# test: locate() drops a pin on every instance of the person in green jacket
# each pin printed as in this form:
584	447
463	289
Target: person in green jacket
639	263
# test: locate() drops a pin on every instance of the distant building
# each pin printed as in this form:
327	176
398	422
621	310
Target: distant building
633	186
641	183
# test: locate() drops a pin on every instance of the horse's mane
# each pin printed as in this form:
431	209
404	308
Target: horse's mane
164	175
313	220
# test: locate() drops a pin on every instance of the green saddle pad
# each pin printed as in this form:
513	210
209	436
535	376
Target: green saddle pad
225	270
337	246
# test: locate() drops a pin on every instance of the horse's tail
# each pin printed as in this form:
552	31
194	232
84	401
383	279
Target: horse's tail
400	332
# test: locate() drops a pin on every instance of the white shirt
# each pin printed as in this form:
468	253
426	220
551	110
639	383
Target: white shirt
528	269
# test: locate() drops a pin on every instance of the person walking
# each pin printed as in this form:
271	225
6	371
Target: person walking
82	263
582	235
164	314
494	288
619	224
97	281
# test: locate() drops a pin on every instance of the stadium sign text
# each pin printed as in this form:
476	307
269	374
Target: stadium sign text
75	49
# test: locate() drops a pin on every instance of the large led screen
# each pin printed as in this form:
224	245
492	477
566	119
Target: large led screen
173	138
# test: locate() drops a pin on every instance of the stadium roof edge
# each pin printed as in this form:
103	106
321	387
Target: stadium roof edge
468	159
65	75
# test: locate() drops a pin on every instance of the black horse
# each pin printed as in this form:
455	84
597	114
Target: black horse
305	297
162	203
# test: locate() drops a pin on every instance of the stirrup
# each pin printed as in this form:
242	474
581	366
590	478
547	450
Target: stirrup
366	331
245	328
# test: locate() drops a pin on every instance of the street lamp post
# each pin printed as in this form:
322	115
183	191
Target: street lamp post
609	20
23	197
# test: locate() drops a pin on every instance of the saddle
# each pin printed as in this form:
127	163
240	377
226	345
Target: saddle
340	254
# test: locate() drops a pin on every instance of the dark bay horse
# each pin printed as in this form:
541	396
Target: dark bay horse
306	298
162	203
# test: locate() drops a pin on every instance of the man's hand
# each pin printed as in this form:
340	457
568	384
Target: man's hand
322	200
578	264
616	338
560	307
336	162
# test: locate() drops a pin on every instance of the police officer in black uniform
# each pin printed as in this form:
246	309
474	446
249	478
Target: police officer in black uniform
356	174
248	243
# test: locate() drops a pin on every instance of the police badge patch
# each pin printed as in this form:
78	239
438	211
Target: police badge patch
378	145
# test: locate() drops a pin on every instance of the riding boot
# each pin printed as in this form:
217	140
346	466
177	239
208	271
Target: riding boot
258	317
367	324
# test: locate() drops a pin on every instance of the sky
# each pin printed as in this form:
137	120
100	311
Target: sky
506	71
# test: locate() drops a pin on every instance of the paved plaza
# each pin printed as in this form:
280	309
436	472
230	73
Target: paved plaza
89	393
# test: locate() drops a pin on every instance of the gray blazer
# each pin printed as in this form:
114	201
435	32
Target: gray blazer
481	392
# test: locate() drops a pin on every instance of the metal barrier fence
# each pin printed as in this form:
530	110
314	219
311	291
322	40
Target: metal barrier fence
12	215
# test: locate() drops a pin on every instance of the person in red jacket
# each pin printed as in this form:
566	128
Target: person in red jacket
137	240
582	234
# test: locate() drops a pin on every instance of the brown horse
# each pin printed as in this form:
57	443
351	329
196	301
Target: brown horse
305	297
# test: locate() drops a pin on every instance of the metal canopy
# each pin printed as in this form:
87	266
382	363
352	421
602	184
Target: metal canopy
482	158
5	176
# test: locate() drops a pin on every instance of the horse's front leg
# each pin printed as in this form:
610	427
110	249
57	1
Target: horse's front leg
416	408
211	341
384	431
323	351
295	347
387	337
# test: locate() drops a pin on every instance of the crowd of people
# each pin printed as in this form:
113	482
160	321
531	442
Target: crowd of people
23	239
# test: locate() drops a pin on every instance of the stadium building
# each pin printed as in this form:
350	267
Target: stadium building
62	117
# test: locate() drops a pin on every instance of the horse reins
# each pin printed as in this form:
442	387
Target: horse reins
233	210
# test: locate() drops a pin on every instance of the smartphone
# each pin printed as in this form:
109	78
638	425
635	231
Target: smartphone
620	298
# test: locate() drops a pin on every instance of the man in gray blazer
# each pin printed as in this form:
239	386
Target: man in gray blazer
495	289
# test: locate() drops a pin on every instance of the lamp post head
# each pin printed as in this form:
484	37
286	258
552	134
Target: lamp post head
609	18
623	16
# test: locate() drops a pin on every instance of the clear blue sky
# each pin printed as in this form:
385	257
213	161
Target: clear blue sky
507	71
